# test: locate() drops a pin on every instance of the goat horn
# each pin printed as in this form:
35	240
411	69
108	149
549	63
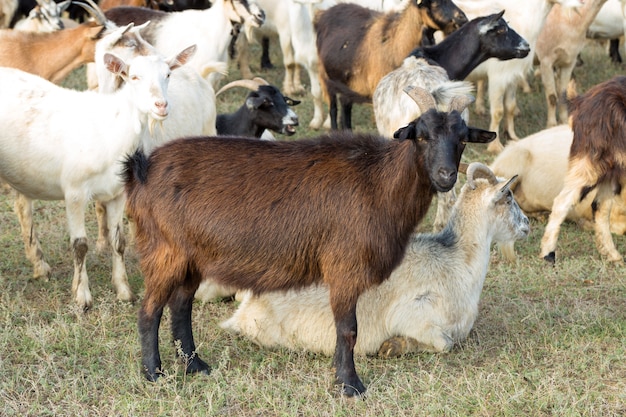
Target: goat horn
260	80
250	84
460	103
422	97
479	170
93	9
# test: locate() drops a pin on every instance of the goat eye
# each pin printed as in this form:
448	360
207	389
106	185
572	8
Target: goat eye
134	78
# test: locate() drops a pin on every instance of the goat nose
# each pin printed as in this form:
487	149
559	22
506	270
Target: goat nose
161	107
447	174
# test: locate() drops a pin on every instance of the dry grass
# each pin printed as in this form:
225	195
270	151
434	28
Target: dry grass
548	341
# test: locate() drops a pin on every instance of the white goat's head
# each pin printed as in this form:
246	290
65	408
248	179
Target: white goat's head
148	77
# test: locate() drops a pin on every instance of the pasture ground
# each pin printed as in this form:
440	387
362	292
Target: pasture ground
548	340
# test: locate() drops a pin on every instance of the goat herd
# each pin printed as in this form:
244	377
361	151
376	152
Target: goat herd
308	227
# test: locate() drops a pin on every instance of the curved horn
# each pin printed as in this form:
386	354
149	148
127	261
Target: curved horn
93	9
422	97
459	103
260	80
250	84
479	170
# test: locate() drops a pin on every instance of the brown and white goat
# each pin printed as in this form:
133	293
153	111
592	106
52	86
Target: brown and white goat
53	55
275	215
540	161
358	46
597	160
558	46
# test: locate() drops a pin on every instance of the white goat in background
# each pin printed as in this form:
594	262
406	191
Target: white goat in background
431	297
560	42
62	144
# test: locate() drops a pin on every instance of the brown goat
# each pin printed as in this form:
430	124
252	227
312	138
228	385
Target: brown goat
53	55
274	215
358	46
597	160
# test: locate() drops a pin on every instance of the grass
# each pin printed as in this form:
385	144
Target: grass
548	341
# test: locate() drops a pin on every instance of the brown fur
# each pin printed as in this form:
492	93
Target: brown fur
50	55
269	215
597	161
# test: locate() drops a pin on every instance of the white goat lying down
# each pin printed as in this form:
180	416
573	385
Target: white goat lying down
62	144
432	297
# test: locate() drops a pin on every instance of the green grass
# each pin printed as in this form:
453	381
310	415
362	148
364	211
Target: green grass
548	341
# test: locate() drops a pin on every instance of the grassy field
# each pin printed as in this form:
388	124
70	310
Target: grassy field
548	340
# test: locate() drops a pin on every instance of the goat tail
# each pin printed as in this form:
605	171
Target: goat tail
135	169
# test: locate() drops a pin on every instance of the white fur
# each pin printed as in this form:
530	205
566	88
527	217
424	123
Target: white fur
62	144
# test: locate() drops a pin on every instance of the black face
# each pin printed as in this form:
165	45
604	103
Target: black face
445	14
272	110
501	41
441	138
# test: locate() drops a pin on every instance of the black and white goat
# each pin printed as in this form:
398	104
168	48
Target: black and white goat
265	108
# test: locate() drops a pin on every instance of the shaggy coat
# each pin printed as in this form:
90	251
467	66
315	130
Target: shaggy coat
271	215
597	160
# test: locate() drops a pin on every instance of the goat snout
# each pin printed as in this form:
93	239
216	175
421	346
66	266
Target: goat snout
161	109
446	178
289	124
258	16
522	50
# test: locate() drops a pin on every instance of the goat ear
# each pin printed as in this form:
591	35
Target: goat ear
64	5
504	192
291	102
497	17
414	131
405	132
254	101
115	65
476	135
182	57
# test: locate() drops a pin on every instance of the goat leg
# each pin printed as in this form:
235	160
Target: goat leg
180	304
149	336
343	360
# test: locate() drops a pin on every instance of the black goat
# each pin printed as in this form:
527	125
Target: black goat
265	108
275	215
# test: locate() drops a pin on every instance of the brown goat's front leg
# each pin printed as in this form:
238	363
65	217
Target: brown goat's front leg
343	361
180	304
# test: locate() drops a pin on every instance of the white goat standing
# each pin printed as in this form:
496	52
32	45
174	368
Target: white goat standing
527	18
559	43
62	144
432	297
292	22
210	29
192	100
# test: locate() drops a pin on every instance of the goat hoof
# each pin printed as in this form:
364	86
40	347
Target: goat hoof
392	348
550	258
198	366
356	390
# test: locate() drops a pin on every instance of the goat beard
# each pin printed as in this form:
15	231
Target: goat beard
152	123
